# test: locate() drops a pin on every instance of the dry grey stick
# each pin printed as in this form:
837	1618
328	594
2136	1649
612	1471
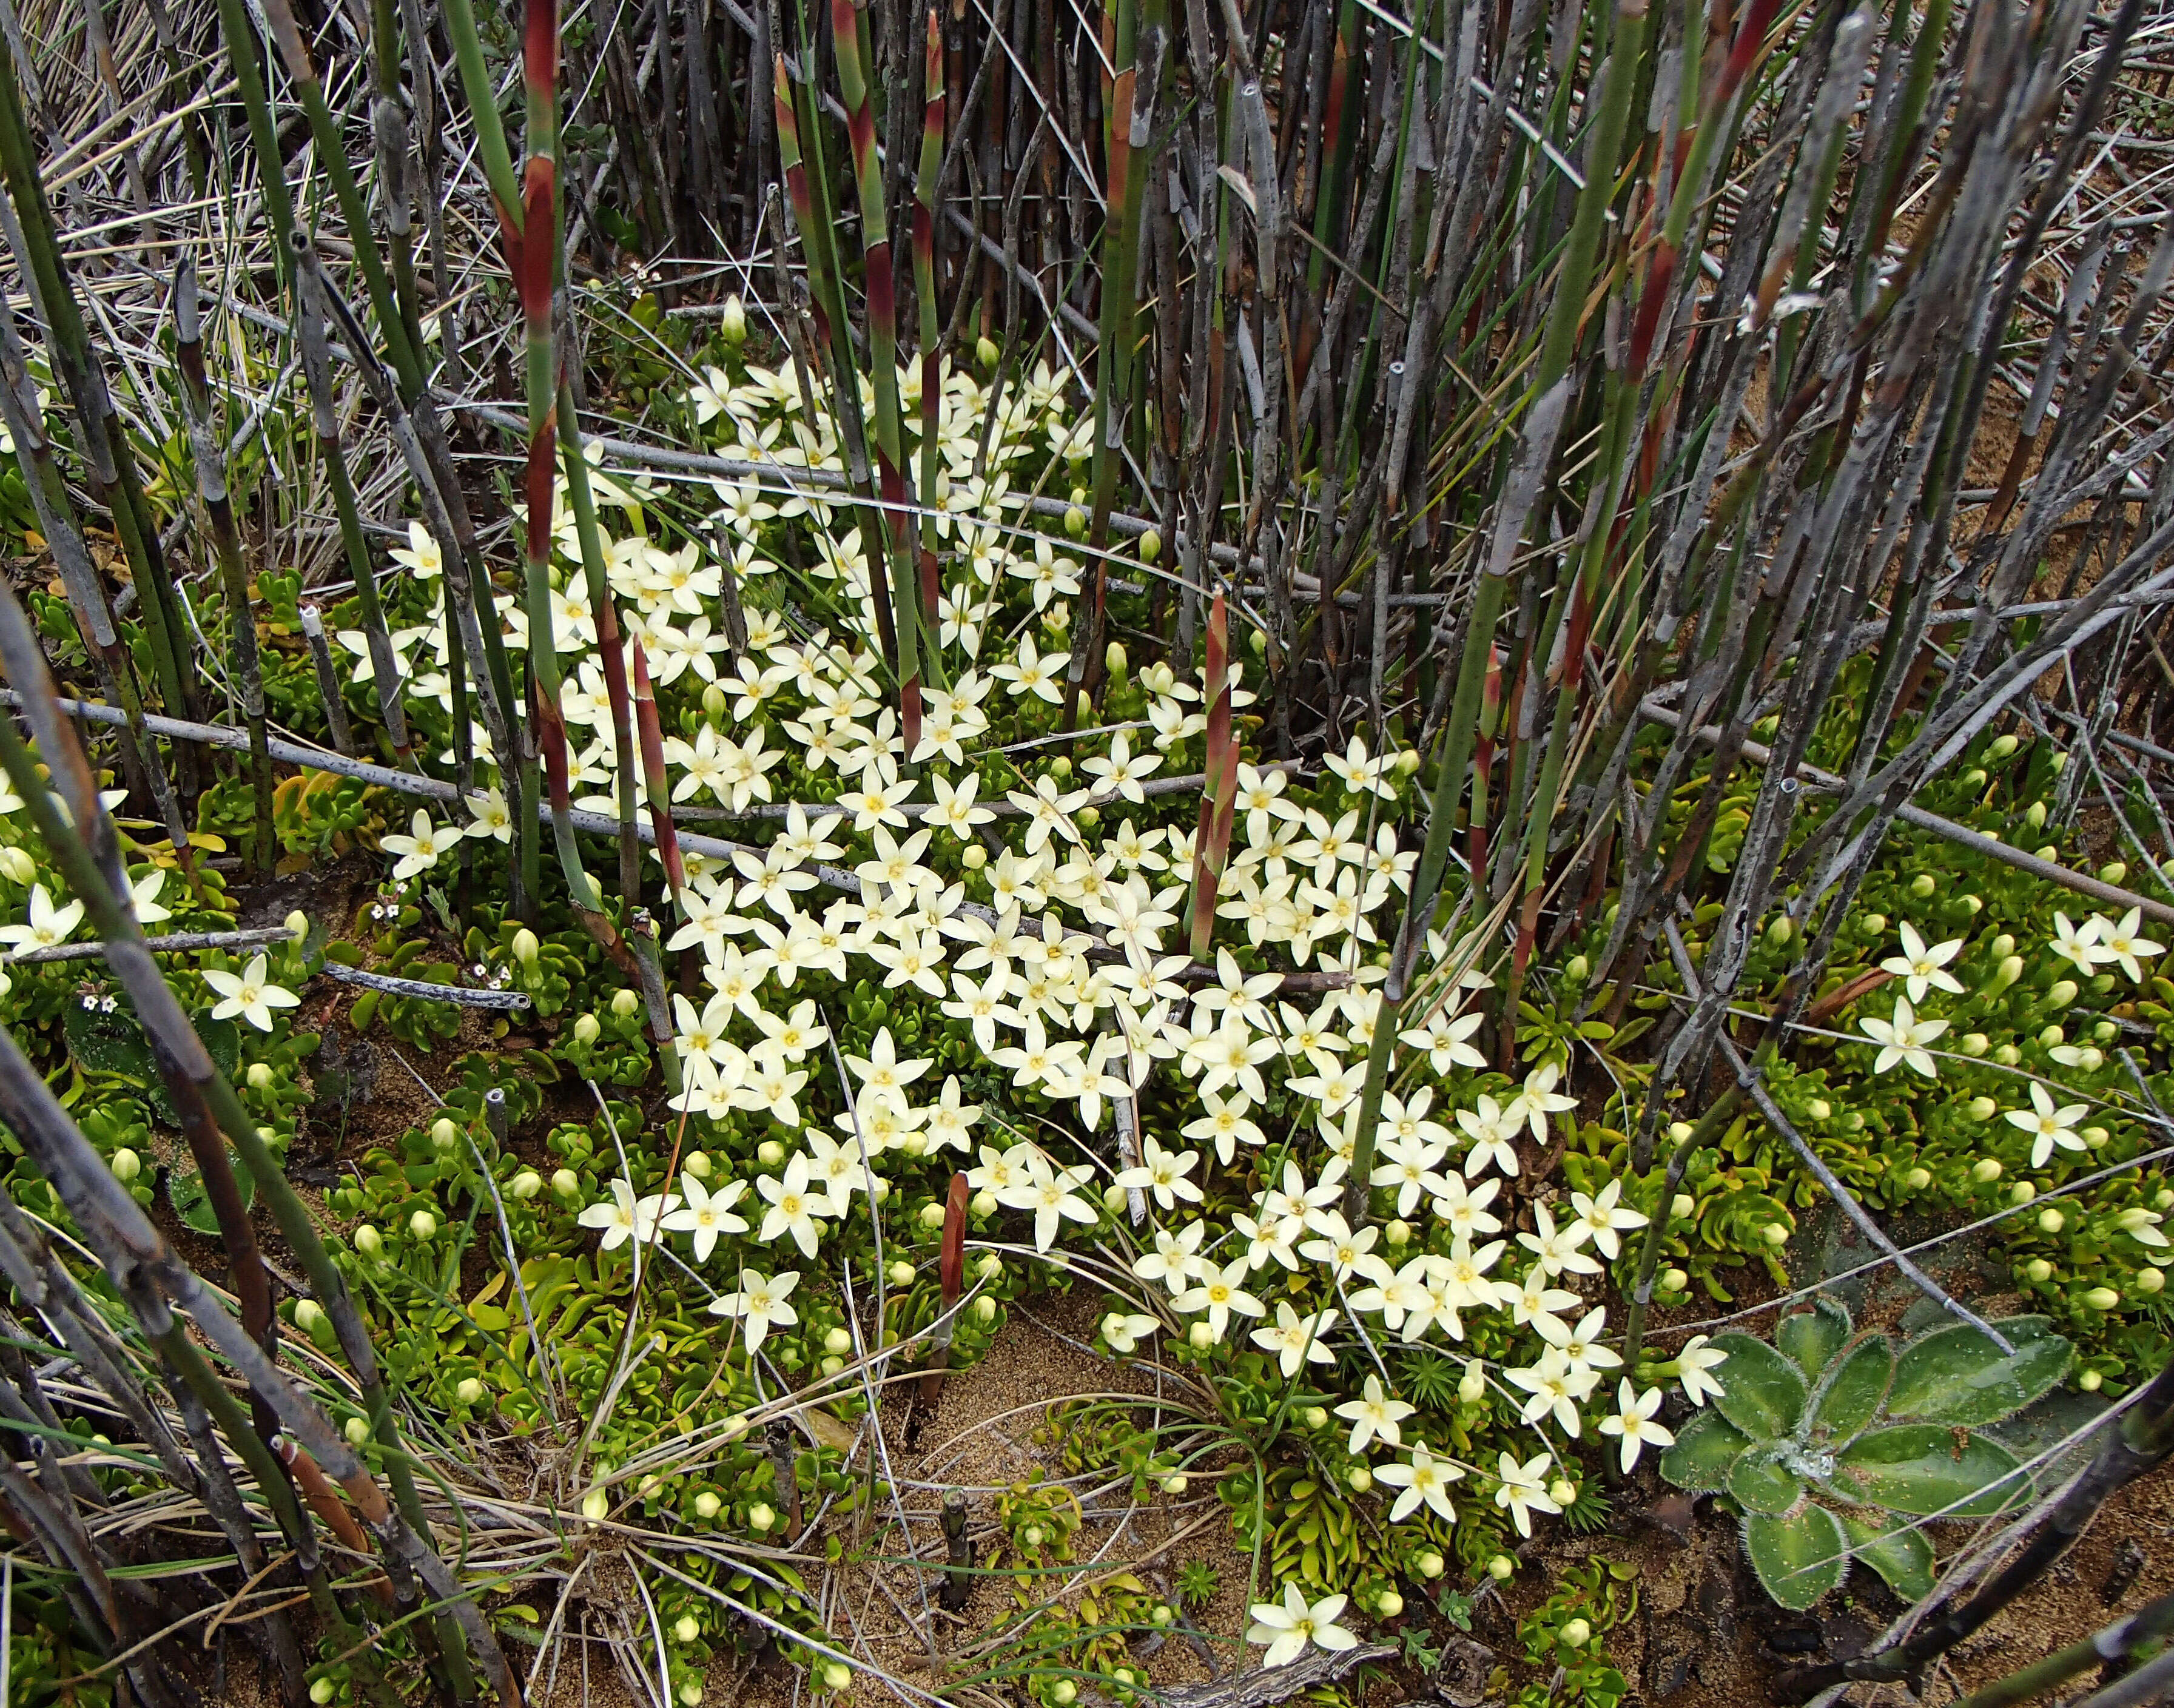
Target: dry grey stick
257	937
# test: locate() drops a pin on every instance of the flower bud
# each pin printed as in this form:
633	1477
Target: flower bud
707	1505
595	1506
1818	1108
469	1392
2022	1192
626	1004
984	1203
1673	1280
900	1273
1986	1169
690	1693
2000	747
1563	1492
2004	974
1472	1386
1148	545
988	1267
2114	871
565	1183
586	1030
736	1426
715	705
1314	1417
1577	1633
1398	1233
2037	1270
1921	885
932	1215
1115	663
1114	1199
1981	1109
1075	521
1063	1692
1678	1131
2090	1381
525	948
761	1515
836	1674
975	857
2035	814
1408	762
1682	1207
308	1313
1500	1567
2063	993
125	1165
986	351
368	1240
2051	1221
685	1629
444	1135
1780	929
770	1152
732	326
1774	1233
1174	1485
985	1310
1874	924
2101	1298
422	1225
357	1432
1975	1043
324	1691
837	1340
1360	1479
18	865
1430	1564
260	1076
2006	1054
1576	969
2148	1281
1917	1179
832	1365
1388	1604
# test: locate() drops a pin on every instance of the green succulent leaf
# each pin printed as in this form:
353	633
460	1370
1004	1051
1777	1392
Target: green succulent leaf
1798	1558
1758	1484
1918	1469
1811	1337
1765	1395
192	1204
1958	1375
1849	1394
1705	1449
1903	1558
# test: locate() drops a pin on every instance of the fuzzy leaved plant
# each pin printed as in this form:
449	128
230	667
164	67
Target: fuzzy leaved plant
1830	1443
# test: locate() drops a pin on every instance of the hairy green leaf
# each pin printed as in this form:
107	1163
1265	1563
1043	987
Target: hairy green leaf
1758	1483
1958	1375
1811	1337
1849	1394
1920	1468
1765	1395
1705	1449
1904	1558
1798	1558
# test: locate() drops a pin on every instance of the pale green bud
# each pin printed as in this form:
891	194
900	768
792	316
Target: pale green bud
2063	993
1114	662
2101	1298
1975	1043
368	1240
1429	1564
1563	1492
837	1340
1986	1169
444	1135
1917	1179
1314	1417
1174	1485
1774	1233
1780	929
586	1030
707	1505
832	1365
1388	1604
1921	885
1148	546
836	1674
690	1693
975	857
1576	969
626	1004
125	1165
984	1203
1200	1337
2006	1054
770	1152
1577	1633
1501	1567
422	1226
565	1183
988	1266
2148	1281
1874	924
2051	1221
260	1076
2114	871
469	1392
1682	1207
18	865
932	1215
1360	1479
761	1515
1472	1386
985	352
1075	521
595	1506
2090	1381
731	326
357	1432
324	1691
900	1273
2037	1269
1981	1108
1673	1280
308	1313
525	947
1114	1199
1818	1108
685	1629
1398	1233
2022	1192
2000	747
985	1309
714	704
